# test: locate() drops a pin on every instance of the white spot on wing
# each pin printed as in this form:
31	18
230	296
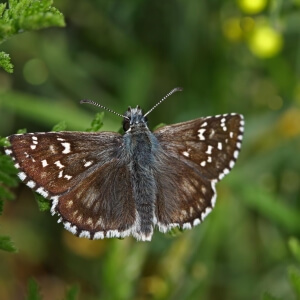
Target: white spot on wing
203	163
185	153
205	213
58	163
186	226
43	192
44	163
85	234
236	154
200	135
54	204
196	222
214	197
31	184
88	163
22	176
99	235
32	147
67	147
8	151
69	227
209	148
68	177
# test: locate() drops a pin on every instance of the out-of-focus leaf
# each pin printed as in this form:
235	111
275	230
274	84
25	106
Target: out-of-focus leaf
294	276
33	291
294	246
72	293
97	123
268	296
6	244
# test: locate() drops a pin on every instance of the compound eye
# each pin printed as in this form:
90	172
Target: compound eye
126	124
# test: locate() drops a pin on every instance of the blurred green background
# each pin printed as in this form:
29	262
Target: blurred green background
230	56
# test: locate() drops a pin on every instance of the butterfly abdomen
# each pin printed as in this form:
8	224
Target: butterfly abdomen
142	150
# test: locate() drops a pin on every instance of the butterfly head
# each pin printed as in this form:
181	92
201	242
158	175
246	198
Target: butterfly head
134	118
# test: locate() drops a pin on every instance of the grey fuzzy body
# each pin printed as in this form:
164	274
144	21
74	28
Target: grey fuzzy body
141	147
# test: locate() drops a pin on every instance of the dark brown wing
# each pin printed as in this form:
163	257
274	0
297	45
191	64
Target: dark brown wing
194	155
211	144
85	177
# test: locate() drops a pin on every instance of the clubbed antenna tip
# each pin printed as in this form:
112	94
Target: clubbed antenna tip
177	89
101	106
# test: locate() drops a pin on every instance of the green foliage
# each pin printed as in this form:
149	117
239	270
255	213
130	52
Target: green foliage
8	179
33	291
25	15
61	126
6	244
5	62
268	296
158	126
43	204
294	277
72	293
97	122
294	246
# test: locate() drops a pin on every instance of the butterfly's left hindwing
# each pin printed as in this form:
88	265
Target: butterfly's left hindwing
184	196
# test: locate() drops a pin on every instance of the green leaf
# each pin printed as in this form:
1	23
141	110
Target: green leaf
6	178
97	123
61	126
7	166
5	194
5	62
25	15
4	142
44	204
159	125
33	290
294	246
21	131
72	293
294	276
6	244
1	207
268	296
273	207
2	8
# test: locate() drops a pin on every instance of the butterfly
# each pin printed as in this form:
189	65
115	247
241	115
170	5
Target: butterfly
106	185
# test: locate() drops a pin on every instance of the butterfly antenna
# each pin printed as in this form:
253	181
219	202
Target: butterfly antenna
177	89
101	106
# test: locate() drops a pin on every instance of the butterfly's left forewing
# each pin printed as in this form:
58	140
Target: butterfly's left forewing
84	174
210	144
193	156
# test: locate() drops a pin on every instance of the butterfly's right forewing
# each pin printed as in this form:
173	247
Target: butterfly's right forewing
84	174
